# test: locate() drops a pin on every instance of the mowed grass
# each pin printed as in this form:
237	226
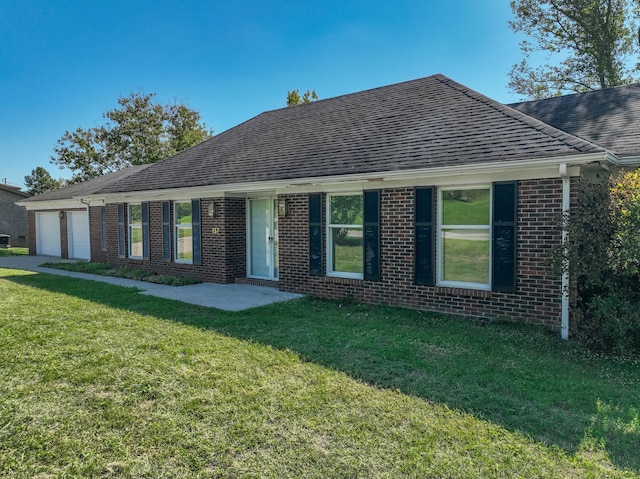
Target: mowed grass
13	251
99	381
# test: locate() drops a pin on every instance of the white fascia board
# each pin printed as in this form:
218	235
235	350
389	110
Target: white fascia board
52	205
632	161
450	175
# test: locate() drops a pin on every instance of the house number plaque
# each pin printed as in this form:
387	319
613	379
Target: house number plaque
215	231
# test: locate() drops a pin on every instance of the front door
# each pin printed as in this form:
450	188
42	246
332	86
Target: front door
262	231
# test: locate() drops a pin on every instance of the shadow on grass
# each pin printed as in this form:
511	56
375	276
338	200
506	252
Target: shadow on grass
518	376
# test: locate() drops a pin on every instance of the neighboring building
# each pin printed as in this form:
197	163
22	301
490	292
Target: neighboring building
423	194
13	218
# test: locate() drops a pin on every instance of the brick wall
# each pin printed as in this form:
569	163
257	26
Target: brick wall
31	232
223	242
537	299
13	219
95	226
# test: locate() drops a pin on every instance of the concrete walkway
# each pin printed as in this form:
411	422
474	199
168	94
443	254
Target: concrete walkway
229	297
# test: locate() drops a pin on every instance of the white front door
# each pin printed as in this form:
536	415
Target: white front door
262	234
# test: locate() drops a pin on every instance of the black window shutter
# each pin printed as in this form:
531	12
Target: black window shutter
504	236
145	230
315	235
424	236
196	231
372	235
166	231
121	231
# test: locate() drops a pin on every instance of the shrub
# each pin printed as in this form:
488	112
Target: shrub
611	324
602	252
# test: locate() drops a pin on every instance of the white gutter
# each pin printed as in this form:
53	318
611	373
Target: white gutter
566	202
492	168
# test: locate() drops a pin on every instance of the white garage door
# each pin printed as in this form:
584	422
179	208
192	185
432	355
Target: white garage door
78	234
48	233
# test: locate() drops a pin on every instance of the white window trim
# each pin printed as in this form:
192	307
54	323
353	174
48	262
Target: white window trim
130	227
439	245
176	227
329	237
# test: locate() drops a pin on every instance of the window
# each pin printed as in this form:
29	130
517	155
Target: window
344	235
464	237
135	231
183	232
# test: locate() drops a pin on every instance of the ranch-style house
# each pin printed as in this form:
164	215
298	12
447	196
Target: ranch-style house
423	194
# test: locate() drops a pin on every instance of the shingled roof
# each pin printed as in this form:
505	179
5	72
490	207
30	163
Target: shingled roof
87	187
13	189
609	117
425	123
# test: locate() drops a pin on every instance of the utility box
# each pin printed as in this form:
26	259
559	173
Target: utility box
5	241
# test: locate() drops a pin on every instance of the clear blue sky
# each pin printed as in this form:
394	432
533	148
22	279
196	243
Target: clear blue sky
63	63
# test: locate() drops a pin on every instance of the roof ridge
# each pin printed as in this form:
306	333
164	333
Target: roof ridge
506	110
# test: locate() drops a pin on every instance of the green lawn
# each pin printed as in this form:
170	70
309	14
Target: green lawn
98	381
13	251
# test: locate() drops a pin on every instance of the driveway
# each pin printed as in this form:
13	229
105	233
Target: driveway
229	297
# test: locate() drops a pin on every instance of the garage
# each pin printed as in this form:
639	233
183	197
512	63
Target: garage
48	233
78	235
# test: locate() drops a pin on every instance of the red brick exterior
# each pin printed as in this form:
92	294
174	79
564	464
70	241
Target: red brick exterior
538	296
95	227
31	232
223	242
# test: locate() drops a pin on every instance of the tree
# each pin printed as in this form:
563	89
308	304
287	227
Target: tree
136	132
294	98
40	181
588	44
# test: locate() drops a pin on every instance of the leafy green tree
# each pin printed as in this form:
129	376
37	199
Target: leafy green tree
625	212
40	181
136	132
294	98
588	45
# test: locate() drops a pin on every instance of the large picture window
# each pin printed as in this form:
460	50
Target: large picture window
344	235
464	237
183	232
135	231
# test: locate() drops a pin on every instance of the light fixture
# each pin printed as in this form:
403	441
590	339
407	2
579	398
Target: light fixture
61	214
282	208
212	209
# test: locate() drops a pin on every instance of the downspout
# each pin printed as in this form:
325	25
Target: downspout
566	202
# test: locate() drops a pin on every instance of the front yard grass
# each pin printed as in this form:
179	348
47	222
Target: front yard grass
99	381
13	251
